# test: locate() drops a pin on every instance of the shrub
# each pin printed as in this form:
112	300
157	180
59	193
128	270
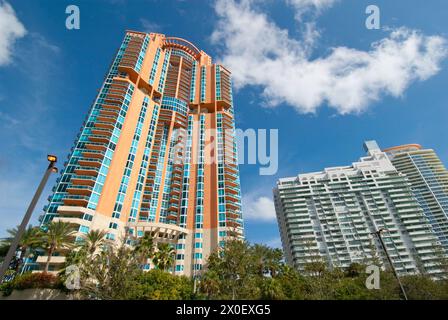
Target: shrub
31	281
161	285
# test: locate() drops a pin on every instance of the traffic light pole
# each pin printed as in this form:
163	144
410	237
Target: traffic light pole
378	233
26	219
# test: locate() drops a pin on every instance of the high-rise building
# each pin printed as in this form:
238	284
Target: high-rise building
332	216
156	153
429	184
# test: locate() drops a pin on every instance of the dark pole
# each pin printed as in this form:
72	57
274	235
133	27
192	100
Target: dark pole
378	233
26	219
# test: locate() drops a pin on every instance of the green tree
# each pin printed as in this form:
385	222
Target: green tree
93	240
145	248
111	274
164	257
57	236
27	244
210	284
271	289
159	285
236	268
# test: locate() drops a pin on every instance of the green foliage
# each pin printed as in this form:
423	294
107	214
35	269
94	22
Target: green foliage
31	281
159	285
145	248
242	271
4	247
164	257
28	244
57	236
110	274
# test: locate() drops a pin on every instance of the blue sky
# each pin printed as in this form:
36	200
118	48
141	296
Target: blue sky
49	76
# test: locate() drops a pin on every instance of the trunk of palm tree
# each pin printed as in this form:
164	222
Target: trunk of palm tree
47	264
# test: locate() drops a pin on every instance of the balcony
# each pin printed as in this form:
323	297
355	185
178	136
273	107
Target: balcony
234	191
90	162
115	99
231	183
232	206
174	199
232	197
107	119
80	190
232	170
175	183
171	216
83	180
104	125
100	138
233	224
76	200
109	112
98	154
177	177
232	214
96	146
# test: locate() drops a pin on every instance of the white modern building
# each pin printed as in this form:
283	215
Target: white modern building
332	216
429	184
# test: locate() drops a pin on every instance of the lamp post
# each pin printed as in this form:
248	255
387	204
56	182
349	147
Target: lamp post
12	249
378	234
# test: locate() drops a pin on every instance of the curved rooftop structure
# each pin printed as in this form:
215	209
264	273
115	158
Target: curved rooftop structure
182	44
404	147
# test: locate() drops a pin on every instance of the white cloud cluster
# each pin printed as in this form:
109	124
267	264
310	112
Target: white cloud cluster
11	29
259	53
258	208
303	6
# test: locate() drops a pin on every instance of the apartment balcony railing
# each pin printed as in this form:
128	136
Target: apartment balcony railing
90	162
83	180
76	200
84	190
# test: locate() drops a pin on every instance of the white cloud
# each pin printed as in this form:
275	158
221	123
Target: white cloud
259	53
274	243
150	26
303	6
11	29
258	208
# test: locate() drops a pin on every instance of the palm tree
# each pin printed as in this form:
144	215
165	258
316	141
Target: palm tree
29	241
164	257
210	284
58	235
93	240
260	253
145	248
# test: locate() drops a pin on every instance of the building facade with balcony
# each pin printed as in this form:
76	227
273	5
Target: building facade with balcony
156	153
429	184
331	216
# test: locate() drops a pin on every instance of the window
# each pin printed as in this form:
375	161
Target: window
84	229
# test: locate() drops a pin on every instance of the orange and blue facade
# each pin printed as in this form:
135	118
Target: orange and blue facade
157	153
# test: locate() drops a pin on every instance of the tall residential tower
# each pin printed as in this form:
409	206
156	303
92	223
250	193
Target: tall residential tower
332	216
429	184
156	153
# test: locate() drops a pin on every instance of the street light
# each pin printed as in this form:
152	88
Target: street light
12	249
378	234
